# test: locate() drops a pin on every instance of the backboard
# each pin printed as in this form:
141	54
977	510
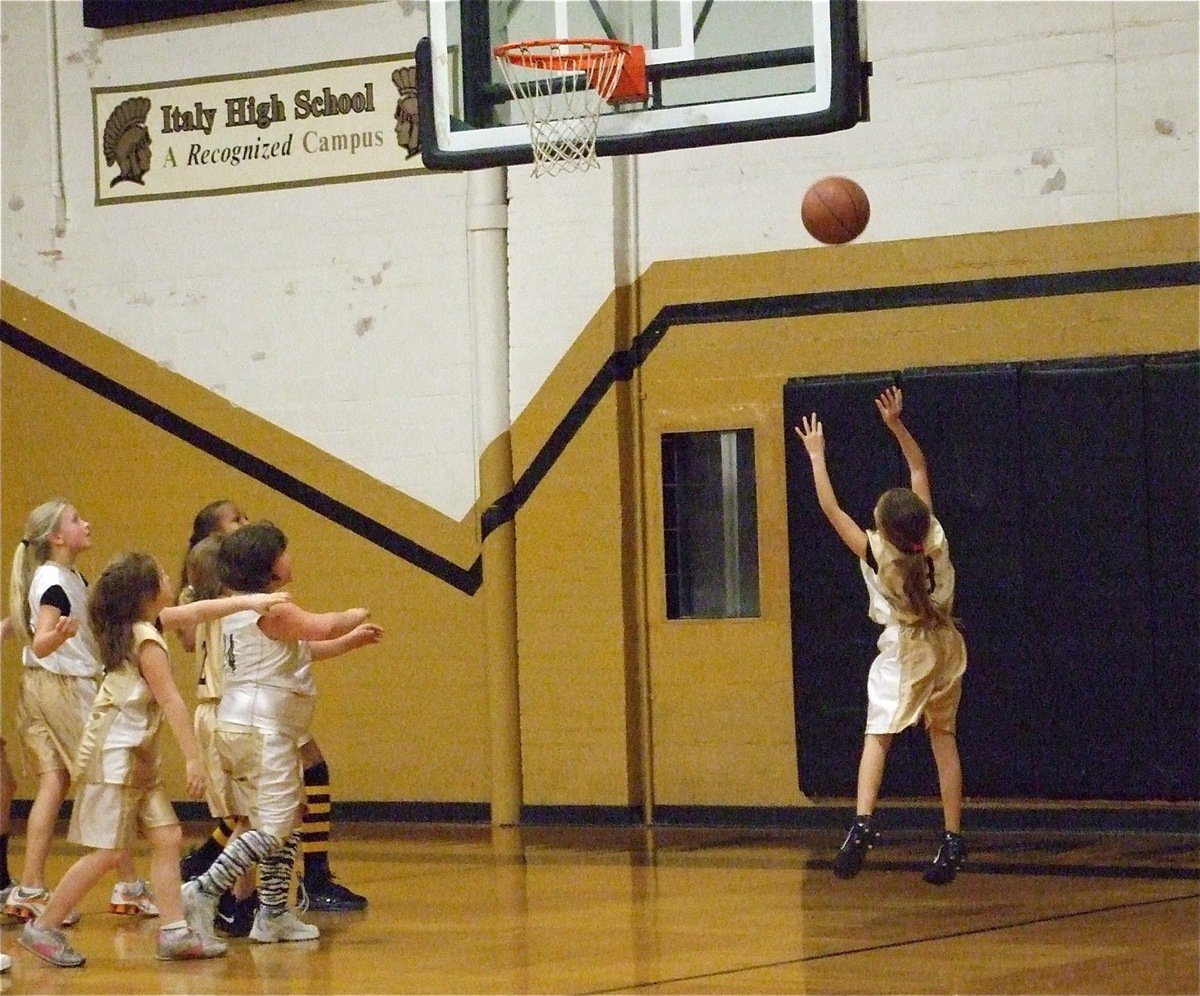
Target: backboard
718	71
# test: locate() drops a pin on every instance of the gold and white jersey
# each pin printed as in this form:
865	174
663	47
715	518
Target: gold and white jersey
885	583
119	743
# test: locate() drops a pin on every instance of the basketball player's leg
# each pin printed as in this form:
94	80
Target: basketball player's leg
861	836
320	890
8	789
952	851
949	771
870	771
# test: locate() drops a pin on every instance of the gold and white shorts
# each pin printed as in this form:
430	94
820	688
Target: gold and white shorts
109	816
264	771
51	713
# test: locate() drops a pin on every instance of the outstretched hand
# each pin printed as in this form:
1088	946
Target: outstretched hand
364	634
811	434
890	404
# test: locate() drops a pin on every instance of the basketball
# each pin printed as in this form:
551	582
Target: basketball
835	210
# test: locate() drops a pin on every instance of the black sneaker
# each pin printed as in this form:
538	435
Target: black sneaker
949	860
860	839
193	864
328	896
235	917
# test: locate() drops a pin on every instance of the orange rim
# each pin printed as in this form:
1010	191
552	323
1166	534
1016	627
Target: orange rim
519	54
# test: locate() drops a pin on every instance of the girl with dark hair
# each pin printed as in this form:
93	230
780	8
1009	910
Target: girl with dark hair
905	561
217	518
263	720
318	887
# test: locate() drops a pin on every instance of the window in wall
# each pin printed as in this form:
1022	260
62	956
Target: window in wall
710	518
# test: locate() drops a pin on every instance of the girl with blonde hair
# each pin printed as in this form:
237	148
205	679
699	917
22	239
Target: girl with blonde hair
48	604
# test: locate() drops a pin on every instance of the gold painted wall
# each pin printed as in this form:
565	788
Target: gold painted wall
722	726
409	720
401	721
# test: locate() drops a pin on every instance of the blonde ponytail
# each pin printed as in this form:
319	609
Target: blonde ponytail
31	553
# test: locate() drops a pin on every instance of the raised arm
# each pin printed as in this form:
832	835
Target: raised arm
813	436
156	669
290	622
189	616
890	404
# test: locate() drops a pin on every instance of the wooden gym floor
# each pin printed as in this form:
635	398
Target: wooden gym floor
473	909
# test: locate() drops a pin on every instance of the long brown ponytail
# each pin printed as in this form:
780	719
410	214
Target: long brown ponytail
904	522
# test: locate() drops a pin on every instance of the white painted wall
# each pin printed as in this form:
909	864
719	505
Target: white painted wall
337	312
340	312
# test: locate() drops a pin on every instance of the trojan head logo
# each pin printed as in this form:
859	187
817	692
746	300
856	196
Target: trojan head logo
127	140
408	135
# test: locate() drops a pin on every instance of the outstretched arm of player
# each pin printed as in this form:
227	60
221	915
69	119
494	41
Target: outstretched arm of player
360	636
812	435
890	404
290	622
191	614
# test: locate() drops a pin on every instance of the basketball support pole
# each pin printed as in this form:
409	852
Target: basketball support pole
487	269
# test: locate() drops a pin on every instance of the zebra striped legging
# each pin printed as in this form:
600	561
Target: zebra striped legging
274	857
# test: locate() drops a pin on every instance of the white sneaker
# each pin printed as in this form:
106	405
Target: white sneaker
5	962
199	908
132	899
31	905
285	926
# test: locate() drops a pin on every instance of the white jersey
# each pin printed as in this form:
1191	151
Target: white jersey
268	684
80	655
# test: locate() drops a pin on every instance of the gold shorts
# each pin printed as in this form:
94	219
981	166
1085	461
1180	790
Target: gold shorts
220	790
917	676
110	816
51	714
265	772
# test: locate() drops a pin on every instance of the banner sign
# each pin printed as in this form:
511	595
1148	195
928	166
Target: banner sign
330	123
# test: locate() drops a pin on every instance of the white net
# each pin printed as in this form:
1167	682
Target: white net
561	87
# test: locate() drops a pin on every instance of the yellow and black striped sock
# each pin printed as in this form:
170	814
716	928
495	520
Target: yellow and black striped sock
314	831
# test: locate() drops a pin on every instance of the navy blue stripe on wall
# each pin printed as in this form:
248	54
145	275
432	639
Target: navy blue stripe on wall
618	367
466	580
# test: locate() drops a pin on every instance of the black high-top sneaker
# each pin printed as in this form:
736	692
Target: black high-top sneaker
859	839
949	859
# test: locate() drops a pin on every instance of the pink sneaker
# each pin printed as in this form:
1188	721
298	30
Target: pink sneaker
50	945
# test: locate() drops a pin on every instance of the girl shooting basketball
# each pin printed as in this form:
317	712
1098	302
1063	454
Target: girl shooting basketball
905	561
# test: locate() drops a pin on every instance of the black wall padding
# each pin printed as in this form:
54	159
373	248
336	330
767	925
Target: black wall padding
1172	453
964	419
1087	579
1070	492
833	640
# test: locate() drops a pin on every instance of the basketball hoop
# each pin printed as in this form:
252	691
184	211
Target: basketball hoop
561	85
